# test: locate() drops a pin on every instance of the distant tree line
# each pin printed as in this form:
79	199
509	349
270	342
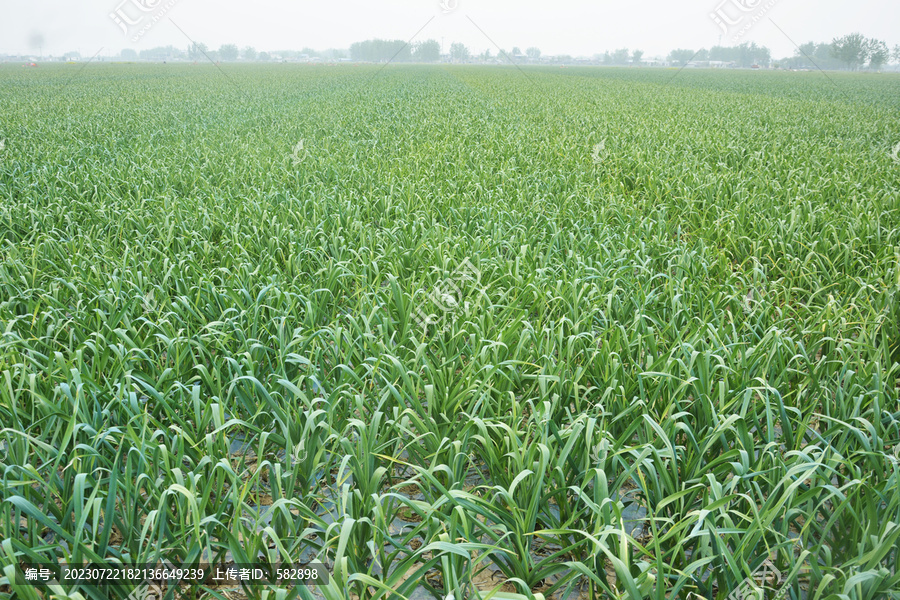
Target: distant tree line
623	56
397	51
853	52
746	55
225	53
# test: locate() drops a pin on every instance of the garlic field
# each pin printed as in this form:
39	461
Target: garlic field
453	331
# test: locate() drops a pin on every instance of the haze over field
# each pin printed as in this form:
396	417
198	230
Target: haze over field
563	27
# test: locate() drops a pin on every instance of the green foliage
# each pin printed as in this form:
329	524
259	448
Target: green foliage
878	52
680	357
744	55
160	54
427	51
459	51
680	56
198	52
851	49
620	57
229	52
381	51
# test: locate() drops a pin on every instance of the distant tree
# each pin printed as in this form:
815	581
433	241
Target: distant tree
309	52
533	53
401	51
824	57
161	53
249	53
427	51
702	55
516	51
229	52
197	51
265	56
381	51
897	53
721	54
620	56
806	51
681	56
72	55
788	62
851	49
213	55
636	57
755	55
745	55
792	62
486	55
458	51
128	54
358	51
878	52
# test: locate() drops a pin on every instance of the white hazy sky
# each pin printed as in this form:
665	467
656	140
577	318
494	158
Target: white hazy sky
576	27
